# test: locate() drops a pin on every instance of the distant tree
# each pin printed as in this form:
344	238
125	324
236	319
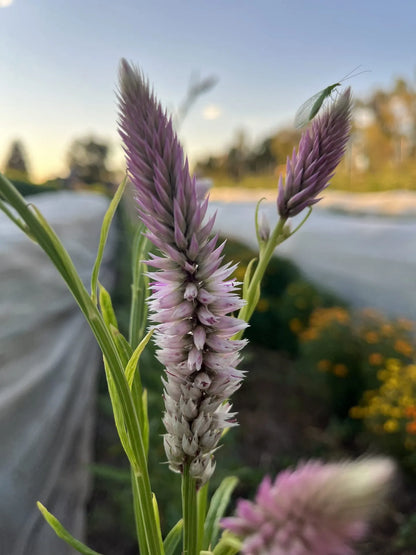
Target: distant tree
262	159
391	134
16	164
283	143
237	156
87	161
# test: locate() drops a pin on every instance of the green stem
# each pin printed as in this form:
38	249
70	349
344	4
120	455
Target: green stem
265	254
190	514
202	500
267	249
49	242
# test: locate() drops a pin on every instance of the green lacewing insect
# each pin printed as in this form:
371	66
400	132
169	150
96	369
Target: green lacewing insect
311	107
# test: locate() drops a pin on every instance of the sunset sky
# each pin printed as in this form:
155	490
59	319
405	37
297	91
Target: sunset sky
59	61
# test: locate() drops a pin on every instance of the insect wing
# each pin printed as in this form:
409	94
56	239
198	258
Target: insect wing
303	115
311	107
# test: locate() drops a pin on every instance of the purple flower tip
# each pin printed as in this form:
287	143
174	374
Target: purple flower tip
321	148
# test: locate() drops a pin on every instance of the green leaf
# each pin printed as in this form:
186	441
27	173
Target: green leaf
202	498
145	421
228	545
123	346
216	510
119	418
132	363
157	518
138	516
139	286
61	532
106	306
20	223
172	540
103	237
247	277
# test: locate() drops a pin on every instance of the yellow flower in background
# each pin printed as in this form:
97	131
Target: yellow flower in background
357	412
391	425
411	427
387	330
403	347
295	325
340	370
371	337
375	359
411	369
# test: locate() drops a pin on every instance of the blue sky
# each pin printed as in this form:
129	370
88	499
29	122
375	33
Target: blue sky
59	59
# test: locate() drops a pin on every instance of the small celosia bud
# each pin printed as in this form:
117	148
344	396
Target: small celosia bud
264	227
317	509
320	150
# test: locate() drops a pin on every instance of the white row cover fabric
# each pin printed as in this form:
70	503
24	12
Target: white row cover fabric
369	260
48	367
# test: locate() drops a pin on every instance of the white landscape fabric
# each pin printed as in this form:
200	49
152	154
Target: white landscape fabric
363	250
48	369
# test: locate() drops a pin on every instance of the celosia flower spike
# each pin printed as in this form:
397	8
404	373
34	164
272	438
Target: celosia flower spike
320	150
317	509
192	296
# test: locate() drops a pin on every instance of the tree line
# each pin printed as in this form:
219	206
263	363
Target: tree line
383	140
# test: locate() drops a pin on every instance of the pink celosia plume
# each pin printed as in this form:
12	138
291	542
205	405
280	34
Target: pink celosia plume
192	296
316	509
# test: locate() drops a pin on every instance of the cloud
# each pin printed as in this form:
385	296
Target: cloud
211	111
5	3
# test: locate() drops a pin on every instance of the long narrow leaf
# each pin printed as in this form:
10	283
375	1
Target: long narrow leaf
61	532
118	416
123	346
109	215
247	277
144	419
138	311
228	545
173	538
216	510
157	517
138	517
20	223
106	307
202	499
132	364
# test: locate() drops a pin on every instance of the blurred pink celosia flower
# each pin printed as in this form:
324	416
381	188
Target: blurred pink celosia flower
316	509
191	296
321	148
